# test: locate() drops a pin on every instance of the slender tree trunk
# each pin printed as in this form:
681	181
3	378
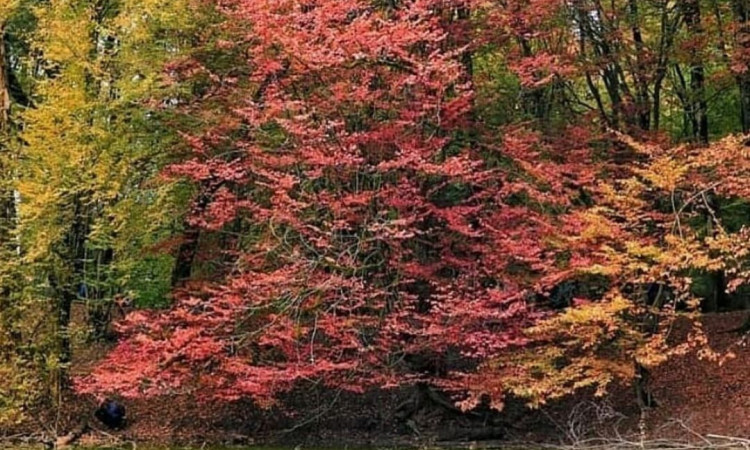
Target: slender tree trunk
683	93
697	97
183	267
723	300
99	303
4	84
533	101
593	88
463	15
668	29
742	18
7	199
641	77
188	249
596	30
649	325
718	298
643	395
69	285
743	82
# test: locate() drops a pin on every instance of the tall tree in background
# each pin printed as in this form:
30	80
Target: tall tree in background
12	370
741	57
697	104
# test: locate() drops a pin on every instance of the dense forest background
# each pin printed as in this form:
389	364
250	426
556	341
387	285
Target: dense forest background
475	198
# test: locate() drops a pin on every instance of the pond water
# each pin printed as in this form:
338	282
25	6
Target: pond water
240	447
466	446
331	447
198	447
214	447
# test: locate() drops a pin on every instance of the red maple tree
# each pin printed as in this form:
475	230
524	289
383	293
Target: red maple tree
385	239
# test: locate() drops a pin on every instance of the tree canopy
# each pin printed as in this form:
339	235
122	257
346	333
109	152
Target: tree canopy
485	198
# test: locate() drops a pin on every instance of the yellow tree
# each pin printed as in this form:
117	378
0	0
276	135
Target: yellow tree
93	141
647	236
11	368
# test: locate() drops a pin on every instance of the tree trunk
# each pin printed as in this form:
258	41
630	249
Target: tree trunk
668	31
718	299
643	395
99	301
186	255
642	99
532	99
69	288
742	17
7	198
697	99
4	83
596	30
183	267
463	15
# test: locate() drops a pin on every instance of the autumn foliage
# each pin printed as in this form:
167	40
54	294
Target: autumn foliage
363	215
388	244
387	238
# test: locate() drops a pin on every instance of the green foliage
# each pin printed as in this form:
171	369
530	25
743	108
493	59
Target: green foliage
149	280
499	93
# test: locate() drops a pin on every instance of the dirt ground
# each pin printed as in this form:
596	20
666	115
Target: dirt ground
706	398
695	397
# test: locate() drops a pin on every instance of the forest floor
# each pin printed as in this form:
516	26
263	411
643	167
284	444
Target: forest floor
695	399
